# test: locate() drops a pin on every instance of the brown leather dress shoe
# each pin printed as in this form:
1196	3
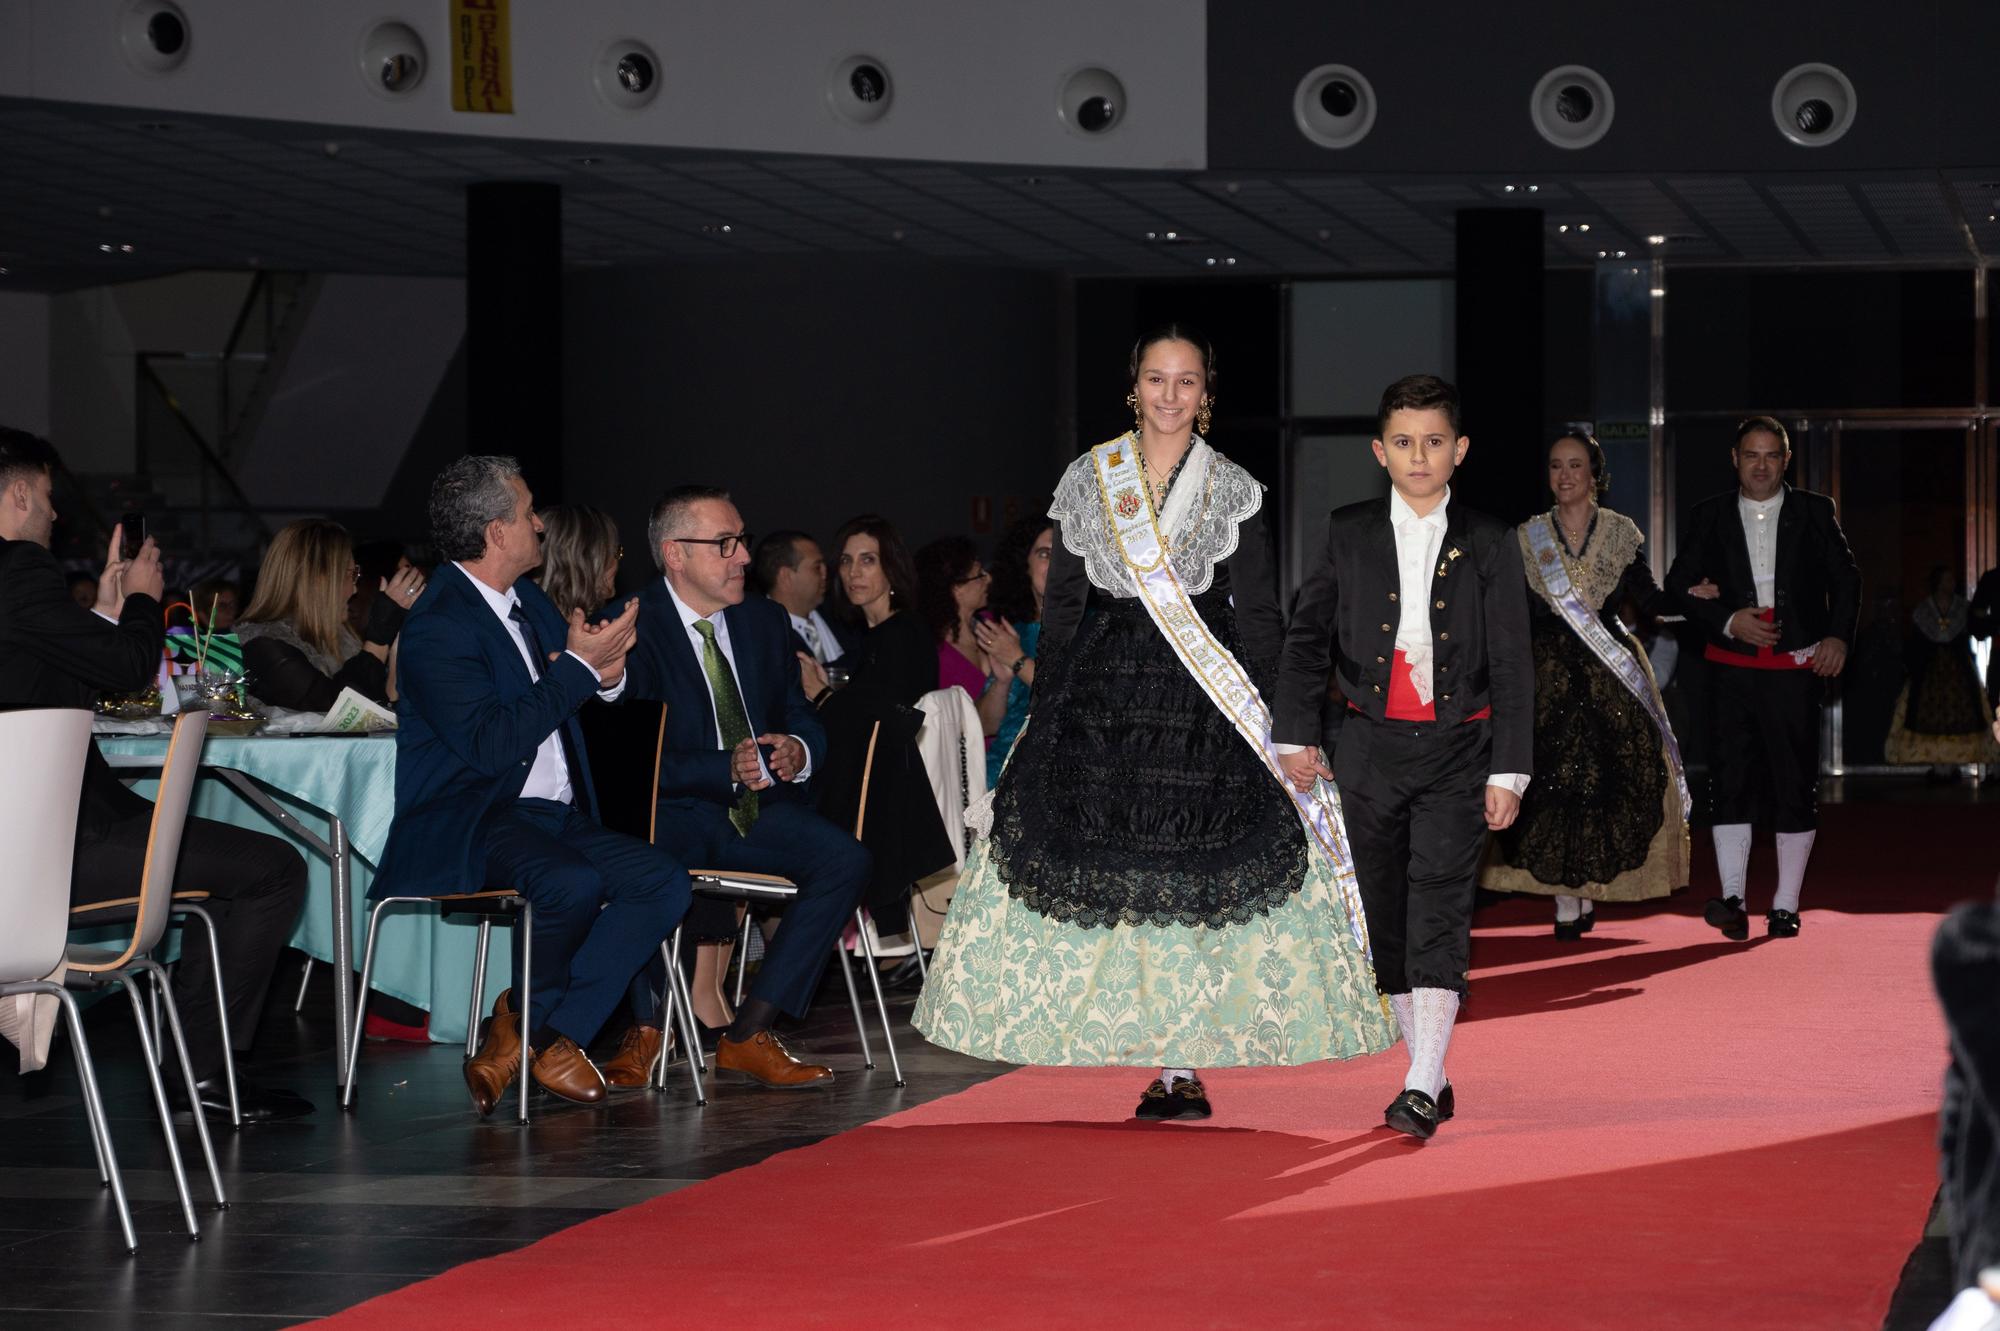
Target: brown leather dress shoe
489	1072
764	1059
563	1069
627	1069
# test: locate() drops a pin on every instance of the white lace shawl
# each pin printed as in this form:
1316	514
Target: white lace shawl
1200	524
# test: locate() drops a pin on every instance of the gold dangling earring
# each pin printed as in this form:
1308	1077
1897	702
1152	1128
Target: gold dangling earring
1138	417
1202	415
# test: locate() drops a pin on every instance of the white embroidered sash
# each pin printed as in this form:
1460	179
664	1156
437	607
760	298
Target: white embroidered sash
1128	508
1566	601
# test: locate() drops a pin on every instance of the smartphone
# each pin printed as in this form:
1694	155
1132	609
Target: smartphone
133	535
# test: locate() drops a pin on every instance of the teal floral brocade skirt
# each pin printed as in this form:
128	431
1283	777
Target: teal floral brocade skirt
1285	988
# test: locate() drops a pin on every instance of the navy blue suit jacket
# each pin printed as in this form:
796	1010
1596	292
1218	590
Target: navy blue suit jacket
663	667
469	719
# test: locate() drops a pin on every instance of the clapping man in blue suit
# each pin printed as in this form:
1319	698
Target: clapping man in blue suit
740	743
493	788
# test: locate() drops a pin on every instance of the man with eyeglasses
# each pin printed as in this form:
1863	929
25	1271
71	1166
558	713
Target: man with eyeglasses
741	741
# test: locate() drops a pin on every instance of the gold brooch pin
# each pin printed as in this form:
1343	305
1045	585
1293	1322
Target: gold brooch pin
1454	553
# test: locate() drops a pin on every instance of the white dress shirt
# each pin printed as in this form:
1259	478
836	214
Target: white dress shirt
1760	534
818	636
688	621
548	779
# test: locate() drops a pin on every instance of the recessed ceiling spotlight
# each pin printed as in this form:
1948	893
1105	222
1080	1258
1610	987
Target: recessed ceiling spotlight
1325	234
586	161
1621	254
1210	261
897	234
723	228
1656	240
1602	255
1534	189
1657	292
1508	188
1231	261
4	272
1583	226
1563	229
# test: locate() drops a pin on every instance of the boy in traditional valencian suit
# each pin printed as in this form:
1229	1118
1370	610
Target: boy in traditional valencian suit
1417	606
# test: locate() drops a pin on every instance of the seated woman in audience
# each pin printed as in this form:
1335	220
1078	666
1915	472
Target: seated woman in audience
951	590
894	663
297	648
1020	575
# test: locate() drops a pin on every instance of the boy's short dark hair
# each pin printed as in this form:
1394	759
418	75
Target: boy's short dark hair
1763	425
1419	392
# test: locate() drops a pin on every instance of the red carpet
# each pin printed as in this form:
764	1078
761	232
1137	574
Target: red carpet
1656	1129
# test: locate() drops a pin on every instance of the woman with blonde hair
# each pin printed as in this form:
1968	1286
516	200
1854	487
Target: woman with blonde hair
580	554
298	651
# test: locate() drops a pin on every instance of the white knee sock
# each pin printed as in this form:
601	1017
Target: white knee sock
1432	1015
1732	857
1586	906
1168	1076
1794	849
1567	909
1405	1022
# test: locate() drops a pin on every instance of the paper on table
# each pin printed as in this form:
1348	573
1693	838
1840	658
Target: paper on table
352	714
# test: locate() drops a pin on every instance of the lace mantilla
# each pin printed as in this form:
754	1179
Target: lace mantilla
1597	571
1202	519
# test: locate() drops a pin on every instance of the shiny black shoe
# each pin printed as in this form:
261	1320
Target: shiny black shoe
1781	924
1193	1097
907	976
1155	1103
1728	915
1447	1104
1414	1114
1568	931
260	1104
1587	921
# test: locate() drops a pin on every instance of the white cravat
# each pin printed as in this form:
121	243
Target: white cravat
1760	534
1418	540
688	621
548	779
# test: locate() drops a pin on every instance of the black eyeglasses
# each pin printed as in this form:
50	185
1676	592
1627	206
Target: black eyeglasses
724	545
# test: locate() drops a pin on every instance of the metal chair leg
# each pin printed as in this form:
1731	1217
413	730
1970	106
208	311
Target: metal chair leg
677	977
478	987
187	1075
361	1002
100	1127
681	1008
854	1001
305	978
130	984
743	954
875	982
221	1004
524	920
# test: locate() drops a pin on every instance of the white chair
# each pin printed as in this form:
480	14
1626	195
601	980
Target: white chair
40	788
92	967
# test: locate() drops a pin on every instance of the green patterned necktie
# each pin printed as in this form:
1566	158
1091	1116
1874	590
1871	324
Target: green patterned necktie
729	718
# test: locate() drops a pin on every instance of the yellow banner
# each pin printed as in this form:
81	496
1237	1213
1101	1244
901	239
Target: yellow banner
483	72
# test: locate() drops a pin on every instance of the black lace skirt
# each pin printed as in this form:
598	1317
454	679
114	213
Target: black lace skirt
1598	795
1131	800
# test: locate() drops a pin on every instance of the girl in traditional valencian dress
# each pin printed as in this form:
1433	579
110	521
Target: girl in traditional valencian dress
1150	893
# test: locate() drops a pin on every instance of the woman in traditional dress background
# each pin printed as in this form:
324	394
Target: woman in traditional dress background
1942	717
1606	817
1148	895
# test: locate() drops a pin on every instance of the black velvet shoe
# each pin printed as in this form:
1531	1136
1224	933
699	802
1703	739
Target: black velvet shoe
1781	924
1447	1104
906	977
1413	1113
1155	1103
1193	1097
1568	931
1728	915
260	1104
1587	921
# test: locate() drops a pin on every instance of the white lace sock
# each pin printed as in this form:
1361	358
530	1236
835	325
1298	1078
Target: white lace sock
1732	857
1432	1013
1588	907
1567	909
1794	849
1405	1022
1168	1076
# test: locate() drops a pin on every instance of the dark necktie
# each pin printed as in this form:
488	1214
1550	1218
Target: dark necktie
529	636
730	718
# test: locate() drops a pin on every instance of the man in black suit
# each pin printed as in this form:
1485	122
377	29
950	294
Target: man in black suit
1419	605
792	571
56	653
1765	570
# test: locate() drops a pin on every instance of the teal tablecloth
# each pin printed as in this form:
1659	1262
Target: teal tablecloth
419	958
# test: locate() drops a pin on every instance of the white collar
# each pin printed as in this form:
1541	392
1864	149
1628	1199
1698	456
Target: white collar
501	603
1761	505
688	617
1400	511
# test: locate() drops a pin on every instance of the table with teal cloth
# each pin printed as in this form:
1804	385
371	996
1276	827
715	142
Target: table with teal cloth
418	957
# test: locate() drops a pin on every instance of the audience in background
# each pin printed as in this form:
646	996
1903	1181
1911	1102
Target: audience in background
378	560
298	650
951	589
580	554
1020	577
83	589
219	598
55	653
791	571
1942	717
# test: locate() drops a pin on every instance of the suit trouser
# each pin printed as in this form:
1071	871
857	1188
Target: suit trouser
830	867
1414	798
256	884
1765	752
603	902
